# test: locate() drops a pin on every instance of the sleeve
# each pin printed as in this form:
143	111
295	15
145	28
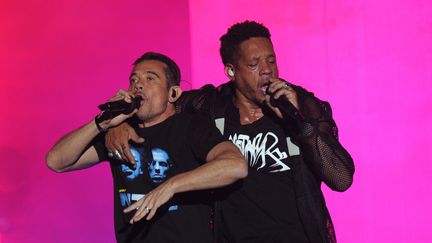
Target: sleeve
197	100
318	140
203	135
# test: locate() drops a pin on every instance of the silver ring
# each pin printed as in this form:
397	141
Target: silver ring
147	208
110	154
117	155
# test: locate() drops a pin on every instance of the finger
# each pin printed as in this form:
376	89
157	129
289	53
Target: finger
127	153
127	95
115	98
142	212
281	92
123	155
121	95
143	209
133	206
131	93
132	113
133	135
122	143
273	87
138	215
123	92
108	143
117	148
273	80
152	212
274	109
267	100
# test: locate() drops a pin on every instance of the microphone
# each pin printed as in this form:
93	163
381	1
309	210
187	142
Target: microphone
287	109
115	108
285	106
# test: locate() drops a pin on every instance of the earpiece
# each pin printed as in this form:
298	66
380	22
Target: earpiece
231	72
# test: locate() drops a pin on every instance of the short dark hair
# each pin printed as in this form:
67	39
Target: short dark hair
172	71
236	34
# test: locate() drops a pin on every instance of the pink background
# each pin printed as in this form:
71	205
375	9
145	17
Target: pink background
371	59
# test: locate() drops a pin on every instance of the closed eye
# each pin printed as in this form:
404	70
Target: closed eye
254	65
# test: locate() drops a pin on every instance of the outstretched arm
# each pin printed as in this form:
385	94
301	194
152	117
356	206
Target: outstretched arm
74	151
225	165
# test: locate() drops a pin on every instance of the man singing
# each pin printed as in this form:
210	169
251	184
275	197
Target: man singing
176	205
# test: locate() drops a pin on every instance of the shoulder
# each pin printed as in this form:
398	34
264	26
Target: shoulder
310	105
209	99
195	100
191	118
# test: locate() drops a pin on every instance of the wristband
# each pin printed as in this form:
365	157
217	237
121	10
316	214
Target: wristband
97	121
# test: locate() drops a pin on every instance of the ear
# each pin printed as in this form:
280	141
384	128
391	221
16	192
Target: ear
229	71
174	93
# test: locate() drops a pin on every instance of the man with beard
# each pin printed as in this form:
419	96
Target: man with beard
177	203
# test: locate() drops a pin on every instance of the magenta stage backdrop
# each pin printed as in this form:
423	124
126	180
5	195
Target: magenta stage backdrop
372	60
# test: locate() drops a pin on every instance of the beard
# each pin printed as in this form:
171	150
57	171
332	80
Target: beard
150	112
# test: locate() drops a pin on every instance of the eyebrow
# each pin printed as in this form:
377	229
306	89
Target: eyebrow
151	72
146	72
266	56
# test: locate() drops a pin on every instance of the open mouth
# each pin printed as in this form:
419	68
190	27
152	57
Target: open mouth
264	87
143	98
139	94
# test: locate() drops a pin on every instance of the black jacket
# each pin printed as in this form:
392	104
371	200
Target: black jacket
323	157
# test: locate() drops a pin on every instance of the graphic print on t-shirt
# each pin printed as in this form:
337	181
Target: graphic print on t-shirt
133	173
261	151
157	166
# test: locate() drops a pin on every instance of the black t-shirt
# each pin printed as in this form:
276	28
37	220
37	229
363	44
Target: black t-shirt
261	207
179	144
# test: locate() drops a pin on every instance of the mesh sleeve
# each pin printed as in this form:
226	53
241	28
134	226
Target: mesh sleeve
322	152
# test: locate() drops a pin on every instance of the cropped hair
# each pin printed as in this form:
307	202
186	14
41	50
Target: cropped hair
172	71
236	34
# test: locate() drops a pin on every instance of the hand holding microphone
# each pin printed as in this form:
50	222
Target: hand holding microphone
283	97
117	106
121	106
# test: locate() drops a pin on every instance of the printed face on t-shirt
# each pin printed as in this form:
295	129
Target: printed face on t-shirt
133	173
159	166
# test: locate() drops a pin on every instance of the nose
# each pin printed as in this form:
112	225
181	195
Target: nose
138	86
266	69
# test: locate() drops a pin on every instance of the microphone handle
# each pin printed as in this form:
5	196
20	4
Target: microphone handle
121	106
115	108
286	107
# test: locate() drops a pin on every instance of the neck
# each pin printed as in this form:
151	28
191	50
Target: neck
248	109
170	111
